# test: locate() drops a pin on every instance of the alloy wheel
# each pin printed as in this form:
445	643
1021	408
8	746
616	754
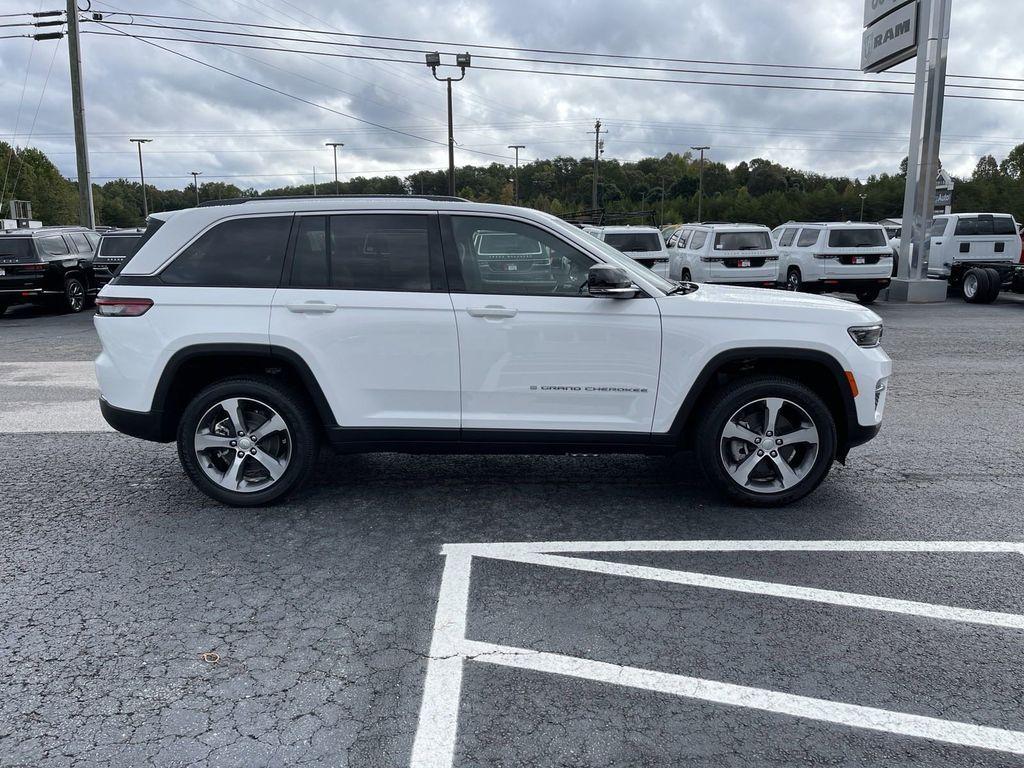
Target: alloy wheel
769	445
74	292
243	445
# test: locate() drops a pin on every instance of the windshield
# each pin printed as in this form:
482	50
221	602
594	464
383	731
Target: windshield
742	241
17	249
634	241
117	246
873	237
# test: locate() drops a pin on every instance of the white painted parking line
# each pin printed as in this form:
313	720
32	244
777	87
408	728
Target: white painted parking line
437	730
34	398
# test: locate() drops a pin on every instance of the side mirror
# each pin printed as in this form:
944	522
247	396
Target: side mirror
607	282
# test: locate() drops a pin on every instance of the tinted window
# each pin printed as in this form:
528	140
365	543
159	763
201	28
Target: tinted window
363	252
93	239
1003	225
698	239
967	226
938	228
15	249
53	245
808	237
117	247
634	241
81	242
742	241
788	236
857	238
242	252
502	256
985	225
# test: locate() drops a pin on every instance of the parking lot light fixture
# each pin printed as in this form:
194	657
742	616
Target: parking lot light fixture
142	177
335	145
462	61
195	183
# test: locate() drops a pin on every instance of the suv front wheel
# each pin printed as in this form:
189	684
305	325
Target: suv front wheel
767	441
247	441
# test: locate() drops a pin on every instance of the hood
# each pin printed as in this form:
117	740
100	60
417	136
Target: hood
736	302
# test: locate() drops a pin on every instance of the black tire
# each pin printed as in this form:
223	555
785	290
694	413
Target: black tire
793	280
895	262
75	295
995	284
975	286
3	308
709	439
298	415
867	296
684	276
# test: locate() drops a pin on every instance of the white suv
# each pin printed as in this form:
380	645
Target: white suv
254	331
644	245
733	254
834	256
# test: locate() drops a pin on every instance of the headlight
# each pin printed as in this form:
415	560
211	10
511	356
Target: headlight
866	335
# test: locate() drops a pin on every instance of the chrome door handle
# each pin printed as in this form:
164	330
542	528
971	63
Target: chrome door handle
491	312
312	308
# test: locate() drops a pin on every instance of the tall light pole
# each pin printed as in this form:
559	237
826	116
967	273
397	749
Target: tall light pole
195	183
700	198
661	218
597	153
863	197
335	144
142	177
517	147
462	61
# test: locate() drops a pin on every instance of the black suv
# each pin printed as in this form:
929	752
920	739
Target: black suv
115	246
49	264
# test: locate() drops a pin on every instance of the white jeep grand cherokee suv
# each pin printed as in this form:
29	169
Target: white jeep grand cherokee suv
253	331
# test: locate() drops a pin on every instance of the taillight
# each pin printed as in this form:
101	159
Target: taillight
111	307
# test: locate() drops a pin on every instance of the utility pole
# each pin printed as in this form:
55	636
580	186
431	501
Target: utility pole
700	197
661	218
597	155
86	212
314	181
462	61
335	144
863	197
517	147
142	177
195	183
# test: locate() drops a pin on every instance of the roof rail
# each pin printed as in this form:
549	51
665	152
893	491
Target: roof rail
265	198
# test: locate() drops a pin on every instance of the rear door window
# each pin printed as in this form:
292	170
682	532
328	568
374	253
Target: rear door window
81	242
365	252
808	237
245	252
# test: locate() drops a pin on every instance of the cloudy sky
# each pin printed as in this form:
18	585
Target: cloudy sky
231	130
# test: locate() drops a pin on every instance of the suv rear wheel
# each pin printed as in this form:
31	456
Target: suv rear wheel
793	282
74	294
247	441
867	296
766	441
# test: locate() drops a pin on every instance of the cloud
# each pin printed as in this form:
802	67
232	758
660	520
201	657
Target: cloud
201	119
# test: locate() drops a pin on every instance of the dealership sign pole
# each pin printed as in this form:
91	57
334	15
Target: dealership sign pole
895	31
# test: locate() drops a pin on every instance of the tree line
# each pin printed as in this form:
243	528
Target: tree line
665	188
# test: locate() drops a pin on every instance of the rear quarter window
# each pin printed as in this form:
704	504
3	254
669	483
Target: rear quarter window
808	237
246	253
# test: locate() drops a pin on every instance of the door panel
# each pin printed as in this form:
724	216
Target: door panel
367	309
538	353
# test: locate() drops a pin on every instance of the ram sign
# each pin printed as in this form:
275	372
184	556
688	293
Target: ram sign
891	40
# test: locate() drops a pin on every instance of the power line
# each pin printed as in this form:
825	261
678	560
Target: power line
279	91
35	116
546	51
522	60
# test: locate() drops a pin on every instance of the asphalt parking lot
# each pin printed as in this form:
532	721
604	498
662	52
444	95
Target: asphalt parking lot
144	625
